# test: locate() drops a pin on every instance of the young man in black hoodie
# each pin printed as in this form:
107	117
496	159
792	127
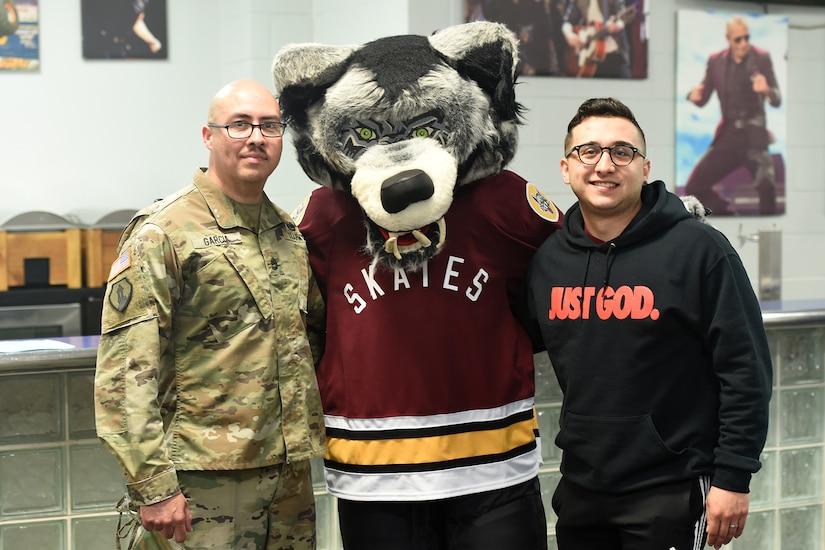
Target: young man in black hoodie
657	340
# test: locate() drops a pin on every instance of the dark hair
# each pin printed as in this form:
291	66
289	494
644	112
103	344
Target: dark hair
601	107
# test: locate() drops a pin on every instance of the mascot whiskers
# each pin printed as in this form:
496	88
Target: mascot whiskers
419	239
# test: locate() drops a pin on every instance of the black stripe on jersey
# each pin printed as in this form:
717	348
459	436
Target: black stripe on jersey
409	433
430	466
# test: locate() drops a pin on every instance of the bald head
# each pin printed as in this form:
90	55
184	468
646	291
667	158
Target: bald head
240	166
240	92
738	38
735	23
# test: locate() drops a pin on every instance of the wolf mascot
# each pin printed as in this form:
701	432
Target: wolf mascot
419	239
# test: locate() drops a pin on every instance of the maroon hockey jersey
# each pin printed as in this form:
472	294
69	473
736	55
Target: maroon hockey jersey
427	377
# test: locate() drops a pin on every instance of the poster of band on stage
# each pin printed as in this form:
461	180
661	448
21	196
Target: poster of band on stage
572	38
731	91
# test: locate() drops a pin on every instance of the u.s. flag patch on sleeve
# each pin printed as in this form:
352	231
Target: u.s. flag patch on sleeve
121	264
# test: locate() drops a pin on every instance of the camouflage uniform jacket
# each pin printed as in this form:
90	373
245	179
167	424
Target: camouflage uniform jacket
206	357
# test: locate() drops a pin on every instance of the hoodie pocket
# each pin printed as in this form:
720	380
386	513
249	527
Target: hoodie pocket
604	453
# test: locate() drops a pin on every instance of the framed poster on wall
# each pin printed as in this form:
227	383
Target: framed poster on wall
19	35
572	38
731	76
124	29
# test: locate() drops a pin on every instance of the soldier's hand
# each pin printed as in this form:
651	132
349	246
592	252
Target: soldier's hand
170	516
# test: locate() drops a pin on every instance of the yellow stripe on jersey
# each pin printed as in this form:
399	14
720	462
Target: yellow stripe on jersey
423	450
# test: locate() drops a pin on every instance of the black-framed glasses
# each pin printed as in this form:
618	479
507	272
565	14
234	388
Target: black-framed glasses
590	153
745	37
242	129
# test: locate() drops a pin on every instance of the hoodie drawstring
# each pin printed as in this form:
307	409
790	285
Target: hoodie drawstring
608	263
586	268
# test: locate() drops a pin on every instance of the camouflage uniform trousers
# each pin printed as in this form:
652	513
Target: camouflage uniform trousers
271	508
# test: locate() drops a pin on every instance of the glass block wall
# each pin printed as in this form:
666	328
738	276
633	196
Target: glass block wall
787	495
58	485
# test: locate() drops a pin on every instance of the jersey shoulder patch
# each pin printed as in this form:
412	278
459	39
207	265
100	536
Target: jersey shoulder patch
298	213
541	204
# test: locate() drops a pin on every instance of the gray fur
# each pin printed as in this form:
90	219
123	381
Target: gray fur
462	77
696	208
308	64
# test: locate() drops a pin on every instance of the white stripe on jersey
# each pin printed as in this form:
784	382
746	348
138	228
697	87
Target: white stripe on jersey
432	485
428	421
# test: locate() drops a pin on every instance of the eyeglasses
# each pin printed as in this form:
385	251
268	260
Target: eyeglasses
738	39
242	129
590	153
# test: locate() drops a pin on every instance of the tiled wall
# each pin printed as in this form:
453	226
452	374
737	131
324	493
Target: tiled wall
787	495
58	485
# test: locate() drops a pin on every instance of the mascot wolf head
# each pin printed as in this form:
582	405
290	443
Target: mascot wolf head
400	122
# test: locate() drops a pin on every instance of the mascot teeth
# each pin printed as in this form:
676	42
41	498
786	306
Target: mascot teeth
419	236
396	243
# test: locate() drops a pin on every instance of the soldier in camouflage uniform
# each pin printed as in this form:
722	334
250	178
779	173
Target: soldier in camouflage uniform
205	386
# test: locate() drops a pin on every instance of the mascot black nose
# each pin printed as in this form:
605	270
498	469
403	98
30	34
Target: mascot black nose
405	188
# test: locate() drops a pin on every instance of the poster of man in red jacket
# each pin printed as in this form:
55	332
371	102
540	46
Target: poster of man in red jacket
730	144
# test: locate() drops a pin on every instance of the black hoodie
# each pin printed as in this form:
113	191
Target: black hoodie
658	344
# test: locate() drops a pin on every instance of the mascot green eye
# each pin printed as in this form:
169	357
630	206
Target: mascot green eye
421	133
366	133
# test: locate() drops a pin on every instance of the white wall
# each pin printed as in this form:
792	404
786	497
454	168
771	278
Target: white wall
82	138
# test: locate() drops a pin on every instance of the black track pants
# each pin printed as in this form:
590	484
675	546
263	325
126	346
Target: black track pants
511	518
669	517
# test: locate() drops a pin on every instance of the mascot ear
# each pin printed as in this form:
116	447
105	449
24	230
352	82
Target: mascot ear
302	73
699	211
487	53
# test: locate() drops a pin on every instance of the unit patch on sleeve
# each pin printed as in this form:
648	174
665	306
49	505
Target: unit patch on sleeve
541	204
120	294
